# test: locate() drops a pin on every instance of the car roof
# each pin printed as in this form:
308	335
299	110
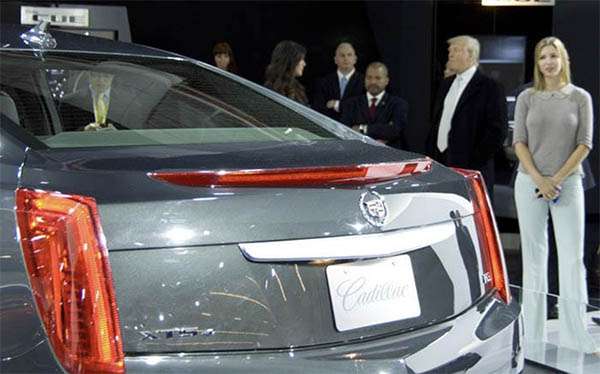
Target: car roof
10	39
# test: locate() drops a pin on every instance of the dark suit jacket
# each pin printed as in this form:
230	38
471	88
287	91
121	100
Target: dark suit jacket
328	88
479	126
390	118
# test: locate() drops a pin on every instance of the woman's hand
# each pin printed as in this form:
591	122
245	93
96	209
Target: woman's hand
556	180
548	187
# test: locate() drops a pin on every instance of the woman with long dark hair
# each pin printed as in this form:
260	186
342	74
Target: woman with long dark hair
287	64
223	56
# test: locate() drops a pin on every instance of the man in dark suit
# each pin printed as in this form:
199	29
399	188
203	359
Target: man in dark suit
377	113
470	115
333	88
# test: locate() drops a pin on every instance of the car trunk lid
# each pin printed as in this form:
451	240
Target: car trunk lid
232	268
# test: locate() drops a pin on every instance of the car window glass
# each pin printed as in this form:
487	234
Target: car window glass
67	100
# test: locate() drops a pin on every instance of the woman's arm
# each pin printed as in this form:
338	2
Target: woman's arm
583	139
572	163
549	188
522	152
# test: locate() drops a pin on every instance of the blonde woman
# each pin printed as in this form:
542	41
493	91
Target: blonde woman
553	135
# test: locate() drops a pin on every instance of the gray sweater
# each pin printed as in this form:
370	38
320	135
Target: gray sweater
552	124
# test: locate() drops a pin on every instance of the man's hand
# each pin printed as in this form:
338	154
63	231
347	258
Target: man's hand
362	128
331	104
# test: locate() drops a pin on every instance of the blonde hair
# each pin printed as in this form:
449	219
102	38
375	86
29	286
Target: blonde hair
470	42
539	83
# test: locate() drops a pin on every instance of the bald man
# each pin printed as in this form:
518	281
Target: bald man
377	113
333	88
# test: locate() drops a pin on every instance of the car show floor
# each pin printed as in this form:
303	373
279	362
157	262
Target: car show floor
551	355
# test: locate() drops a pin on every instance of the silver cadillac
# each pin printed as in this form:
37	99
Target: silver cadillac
160	215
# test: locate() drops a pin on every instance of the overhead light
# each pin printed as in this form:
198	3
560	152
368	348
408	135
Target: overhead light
517	2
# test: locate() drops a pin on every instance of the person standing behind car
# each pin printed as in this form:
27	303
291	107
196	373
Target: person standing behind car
552	136
224	59
377	113
470	121
287	64
346	82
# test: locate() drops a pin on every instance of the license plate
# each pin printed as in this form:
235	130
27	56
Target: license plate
372	292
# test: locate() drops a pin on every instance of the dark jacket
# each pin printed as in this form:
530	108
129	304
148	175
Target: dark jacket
479	126
390	118
328	88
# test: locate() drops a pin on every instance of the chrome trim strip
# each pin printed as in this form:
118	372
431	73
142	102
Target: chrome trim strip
349	247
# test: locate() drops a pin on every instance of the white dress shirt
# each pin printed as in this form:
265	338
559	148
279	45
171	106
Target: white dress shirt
378	97
348	76
452	97
363	127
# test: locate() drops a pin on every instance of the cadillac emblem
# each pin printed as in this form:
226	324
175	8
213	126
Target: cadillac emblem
373	208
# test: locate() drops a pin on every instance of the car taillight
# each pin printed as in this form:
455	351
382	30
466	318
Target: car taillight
489	240
351	175
67	261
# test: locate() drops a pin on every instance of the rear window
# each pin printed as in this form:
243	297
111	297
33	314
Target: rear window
69	100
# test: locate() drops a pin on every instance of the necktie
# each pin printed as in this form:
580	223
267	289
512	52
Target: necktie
450	103
373	108
343	84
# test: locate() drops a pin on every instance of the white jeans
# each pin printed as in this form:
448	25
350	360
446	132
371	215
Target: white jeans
568	219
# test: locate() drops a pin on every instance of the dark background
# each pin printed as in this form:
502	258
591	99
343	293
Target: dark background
408	36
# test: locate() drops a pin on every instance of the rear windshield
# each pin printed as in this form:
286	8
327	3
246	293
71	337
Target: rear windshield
68	100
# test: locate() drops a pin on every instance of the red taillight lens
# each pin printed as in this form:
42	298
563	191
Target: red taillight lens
489	240
71	280
351	175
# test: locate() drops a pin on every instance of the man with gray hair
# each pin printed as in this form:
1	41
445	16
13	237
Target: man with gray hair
470	116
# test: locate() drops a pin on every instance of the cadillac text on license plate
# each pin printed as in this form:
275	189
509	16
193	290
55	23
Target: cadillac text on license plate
372	292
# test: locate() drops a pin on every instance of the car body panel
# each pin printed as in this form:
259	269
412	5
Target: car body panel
95	171
23	342
217	296
446	347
